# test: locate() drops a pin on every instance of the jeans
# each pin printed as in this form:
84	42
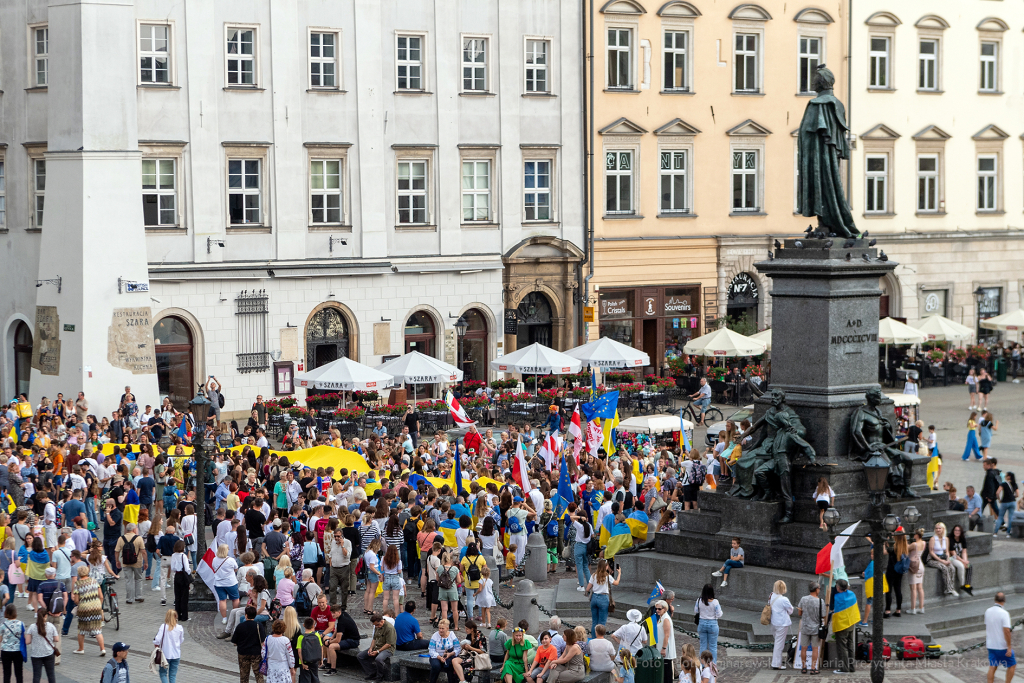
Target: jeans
154	568
1005	511
170	674
40	663
730	565
972	446
707	631
579	554
109	545
90	510
436	667
598	610
69	616
470	602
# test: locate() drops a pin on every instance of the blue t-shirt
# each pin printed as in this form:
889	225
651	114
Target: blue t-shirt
145	487
406	627
73	508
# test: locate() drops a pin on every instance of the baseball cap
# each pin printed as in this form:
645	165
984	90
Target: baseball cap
277	523
120	647
517	499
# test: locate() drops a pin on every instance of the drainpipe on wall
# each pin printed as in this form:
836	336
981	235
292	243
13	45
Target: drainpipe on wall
588	165
849	95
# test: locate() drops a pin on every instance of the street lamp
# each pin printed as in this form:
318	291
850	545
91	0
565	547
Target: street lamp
831	517
460	329
199	407
876	469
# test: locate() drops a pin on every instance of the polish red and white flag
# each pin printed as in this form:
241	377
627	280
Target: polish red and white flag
549	450
520	470
207	569
457	411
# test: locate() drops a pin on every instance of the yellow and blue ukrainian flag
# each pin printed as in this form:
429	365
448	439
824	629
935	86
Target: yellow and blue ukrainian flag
846	613
637	522
869	581
131	507
448	529
620	539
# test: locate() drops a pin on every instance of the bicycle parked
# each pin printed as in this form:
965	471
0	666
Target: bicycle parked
110	609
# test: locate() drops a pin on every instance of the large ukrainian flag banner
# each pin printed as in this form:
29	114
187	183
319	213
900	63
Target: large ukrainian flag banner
131	507
621	538
637	522
607	524
869	581
448	529
846	613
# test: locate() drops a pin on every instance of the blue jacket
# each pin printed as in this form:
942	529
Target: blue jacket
112	672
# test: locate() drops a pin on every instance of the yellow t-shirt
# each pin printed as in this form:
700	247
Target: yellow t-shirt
510	561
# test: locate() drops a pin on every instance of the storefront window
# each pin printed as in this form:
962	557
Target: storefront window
989	307
616	311
682	321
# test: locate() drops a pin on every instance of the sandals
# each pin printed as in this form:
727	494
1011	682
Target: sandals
815	672
803	671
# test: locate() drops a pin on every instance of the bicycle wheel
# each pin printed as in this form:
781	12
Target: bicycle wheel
115	613
712	415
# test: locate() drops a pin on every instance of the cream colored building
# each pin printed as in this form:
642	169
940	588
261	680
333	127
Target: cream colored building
937	96
693	106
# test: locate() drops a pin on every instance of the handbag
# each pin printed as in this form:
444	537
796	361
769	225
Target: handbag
157	658
56	652
823	627
903	566
263	660
481	661
15	575
696	613
766	613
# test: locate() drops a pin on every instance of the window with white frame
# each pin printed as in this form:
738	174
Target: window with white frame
878	61
676	55
746	62
412	192
673	182
325	190
409	62
38	189
618	170
928	64
876	182
537	186
476	191
155	54
323	60
744	180
537	66
989	67
159	192
240	56
244	191
3	195
620	58
810	58
41	52
988	175
928	183
474	64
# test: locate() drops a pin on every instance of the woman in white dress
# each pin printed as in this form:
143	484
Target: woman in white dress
781	609
277	650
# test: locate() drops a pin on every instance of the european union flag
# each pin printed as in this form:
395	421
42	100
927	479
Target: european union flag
564	495
603	406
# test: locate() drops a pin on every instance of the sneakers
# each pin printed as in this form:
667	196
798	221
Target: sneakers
716	573
723	584
223	620
954	594
222	635
581	589
163	603
156	589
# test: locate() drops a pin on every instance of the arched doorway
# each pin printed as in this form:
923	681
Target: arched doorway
534	314
421	334
742	303
175	372
473	353
22	358
326	338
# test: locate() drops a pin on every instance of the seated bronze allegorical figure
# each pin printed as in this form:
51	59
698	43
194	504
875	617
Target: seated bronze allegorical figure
872	433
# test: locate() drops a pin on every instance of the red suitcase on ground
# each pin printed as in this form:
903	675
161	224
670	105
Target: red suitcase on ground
886	650
913	648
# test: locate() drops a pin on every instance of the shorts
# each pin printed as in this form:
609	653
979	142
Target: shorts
32	585
972	388
690	492
809	640
432	589
51	536
393	582
999	657
448	594
227	592
869	601
823	505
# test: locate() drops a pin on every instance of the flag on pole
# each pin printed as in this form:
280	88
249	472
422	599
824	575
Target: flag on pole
609	433
564	495
457	472
205	568
576	431
684	438
549	449
457	411
823	563
604	406
594	436
520	472
837	547
656	594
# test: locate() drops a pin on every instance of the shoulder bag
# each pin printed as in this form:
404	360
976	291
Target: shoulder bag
696	612
157	660
823	625
56	652
766	612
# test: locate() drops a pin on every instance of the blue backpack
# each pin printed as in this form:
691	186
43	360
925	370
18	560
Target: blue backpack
514	525
551	529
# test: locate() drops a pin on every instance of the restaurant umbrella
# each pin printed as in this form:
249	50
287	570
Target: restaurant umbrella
1012	321
894	332
764	336
345	375
607	353
537	359
725	343
941	328
418	368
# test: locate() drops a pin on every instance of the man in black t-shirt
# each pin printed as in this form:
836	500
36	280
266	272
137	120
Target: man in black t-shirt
111	530
412	421
118	493
346	637
254	521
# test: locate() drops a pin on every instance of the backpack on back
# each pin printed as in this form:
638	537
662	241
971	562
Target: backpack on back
473	572
551	529
57	603
311	647
303	605
444	578
698	473
129	553
514	525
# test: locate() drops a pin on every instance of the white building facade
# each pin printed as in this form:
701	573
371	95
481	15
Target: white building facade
938	169
297	181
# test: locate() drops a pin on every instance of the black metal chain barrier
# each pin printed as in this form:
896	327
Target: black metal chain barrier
533	601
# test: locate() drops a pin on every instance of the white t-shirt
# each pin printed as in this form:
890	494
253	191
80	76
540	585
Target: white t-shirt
827	496
581	536
602	655
599	588
996	619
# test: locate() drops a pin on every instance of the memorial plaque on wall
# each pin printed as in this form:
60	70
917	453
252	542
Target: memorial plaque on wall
511	321
381	338
46	341
450	346
130	340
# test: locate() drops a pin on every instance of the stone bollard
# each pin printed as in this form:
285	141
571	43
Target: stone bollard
490	561
524	608
537	562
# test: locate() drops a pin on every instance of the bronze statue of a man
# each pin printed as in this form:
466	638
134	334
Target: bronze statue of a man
822	142
763	473
872	433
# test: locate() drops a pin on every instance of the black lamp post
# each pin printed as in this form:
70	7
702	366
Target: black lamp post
199	407
460	329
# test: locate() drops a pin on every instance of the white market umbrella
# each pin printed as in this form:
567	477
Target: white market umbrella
345	374
723	342
894	332
419	368
764	336
607	353
654	424
941	328
1012	321
537	359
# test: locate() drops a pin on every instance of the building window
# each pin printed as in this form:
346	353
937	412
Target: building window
619	179
537	182
537	66
241	60
39	189
3	196
988	170
42	56
673	182
928	183
412	192
159	194
154	54
877	184
620	58
325	190
810	58
323	60
474	64
676	74
410	63
989	67
928	65
244	191
879	62
744	180
476	191
746	62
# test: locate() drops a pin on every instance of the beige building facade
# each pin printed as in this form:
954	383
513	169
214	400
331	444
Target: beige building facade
693	106
938	164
